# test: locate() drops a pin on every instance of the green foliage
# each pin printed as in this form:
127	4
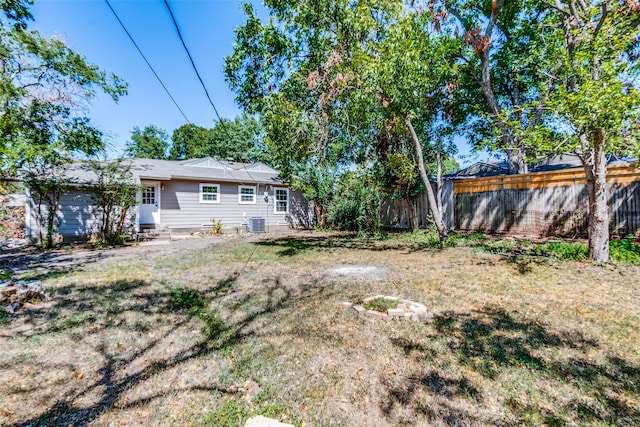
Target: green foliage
5	317
214	327
240	139
380	304
148	143
47	182
563	251
184	299
216	226
356	204
115	196
625	250
42	85
232	413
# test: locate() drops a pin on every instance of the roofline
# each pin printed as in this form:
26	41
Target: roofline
199	178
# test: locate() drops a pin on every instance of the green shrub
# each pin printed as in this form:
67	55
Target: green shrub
356	205
563	251
625	250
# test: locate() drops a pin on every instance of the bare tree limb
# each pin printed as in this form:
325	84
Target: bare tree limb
603	17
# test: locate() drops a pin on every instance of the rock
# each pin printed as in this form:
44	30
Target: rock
395	312
420	316
359	308
377	314
345	304
17	292
260	421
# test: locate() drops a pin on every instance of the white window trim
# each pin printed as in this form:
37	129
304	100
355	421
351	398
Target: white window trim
275	201
255	194
206	184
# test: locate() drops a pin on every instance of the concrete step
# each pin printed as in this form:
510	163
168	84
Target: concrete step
148	235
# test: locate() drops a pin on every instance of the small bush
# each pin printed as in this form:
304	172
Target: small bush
356	205
564	251
216	226
625	251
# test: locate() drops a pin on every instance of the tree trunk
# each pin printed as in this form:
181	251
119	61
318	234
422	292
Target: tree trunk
515	154
414	222
439	177
53	202
321	215
433	205
595	167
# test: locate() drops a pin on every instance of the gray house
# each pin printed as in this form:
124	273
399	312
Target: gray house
186	195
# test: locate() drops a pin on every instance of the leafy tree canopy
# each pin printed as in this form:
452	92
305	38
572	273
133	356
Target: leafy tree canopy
151	142
43	84
240	139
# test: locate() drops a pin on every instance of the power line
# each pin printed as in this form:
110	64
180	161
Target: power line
145	60
193	65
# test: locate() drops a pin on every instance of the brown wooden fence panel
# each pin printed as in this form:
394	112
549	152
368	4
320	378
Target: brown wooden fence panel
542	204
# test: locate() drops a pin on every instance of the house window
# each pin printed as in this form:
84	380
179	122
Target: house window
281	197
149	195
209	193
247	194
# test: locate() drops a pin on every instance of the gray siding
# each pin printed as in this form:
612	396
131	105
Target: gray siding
76	216
180	206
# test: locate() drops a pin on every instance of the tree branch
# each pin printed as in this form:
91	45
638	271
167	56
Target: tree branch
603	17
495	11
556	7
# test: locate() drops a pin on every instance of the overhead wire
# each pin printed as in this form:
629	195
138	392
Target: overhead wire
147	61
193	65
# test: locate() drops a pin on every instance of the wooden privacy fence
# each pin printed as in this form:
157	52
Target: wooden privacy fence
541	203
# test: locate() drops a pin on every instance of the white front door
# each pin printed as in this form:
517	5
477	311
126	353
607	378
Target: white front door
150	204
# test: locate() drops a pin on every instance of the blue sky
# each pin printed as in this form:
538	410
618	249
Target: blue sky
89	27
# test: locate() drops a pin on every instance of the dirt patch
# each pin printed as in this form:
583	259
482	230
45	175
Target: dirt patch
367	271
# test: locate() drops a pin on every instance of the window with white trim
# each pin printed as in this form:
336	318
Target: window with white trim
281	197
209	193
149	195
247	194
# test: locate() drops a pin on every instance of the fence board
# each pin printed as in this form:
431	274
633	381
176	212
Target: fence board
543	203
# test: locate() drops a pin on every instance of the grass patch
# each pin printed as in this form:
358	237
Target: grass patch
5	317
183	299
380	304
232	413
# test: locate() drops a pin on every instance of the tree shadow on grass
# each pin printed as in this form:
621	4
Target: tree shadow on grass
291	246
41	265
121	371
496	345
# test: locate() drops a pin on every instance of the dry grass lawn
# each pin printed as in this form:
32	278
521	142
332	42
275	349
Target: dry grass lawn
214	334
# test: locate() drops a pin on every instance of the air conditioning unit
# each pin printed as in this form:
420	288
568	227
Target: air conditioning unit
256	225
